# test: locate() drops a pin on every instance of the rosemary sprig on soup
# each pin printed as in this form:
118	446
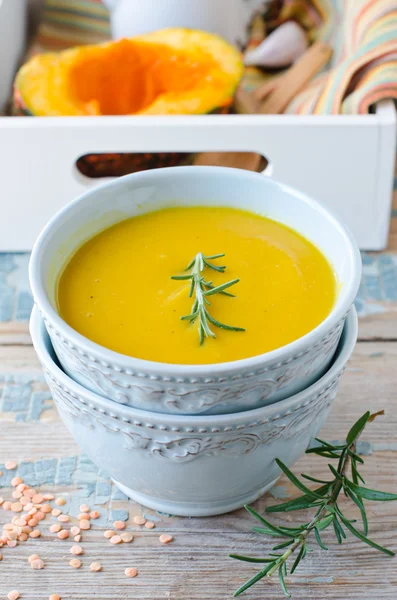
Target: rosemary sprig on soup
202	290
117	290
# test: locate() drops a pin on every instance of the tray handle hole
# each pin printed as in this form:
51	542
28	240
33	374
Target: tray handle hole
117	164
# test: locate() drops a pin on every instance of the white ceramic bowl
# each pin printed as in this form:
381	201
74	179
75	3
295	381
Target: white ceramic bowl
187	465
204	389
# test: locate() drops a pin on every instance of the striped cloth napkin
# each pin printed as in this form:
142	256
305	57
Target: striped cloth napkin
68	23
362	32
364	70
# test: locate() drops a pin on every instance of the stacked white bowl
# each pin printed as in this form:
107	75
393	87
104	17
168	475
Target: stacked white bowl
193	440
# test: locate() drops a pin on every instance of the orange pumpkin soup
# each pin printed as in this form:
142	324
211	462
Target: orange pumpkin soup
117	289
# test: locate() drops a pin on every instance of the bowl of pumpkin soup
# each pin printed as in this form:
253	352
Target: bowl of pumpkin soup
195	290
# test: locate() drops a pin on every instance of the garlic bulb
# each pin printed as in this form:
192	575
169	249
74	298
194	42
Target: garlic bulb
280	49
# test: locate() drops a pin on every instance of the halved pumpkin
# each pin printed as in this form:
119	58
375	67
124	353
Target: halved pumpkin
173	71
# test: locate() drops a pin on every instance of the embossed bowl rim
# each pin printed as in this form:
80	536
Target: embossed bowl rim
42	344
126	363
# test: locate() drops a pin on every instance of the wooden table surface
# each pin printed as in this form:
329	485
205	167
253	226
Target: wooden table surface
195	566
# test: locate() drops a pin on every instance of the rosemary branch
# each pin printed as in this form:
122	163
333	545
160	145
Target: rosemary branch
202	290
328	512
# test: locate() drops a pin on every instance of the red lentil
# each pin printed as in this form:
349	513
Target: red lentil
116	539
131	572
75	562
83	517
33	557
37	564
37	499
16	481
165	538
63	519
63	534
109	534
35	533
95	566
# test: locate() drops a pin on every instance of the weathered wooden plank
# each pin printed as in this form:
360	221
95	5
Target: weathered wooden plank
195	565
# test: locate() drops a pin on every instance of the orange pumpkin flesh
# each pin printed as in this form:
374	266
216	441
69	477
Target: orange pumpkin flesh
135	71
172	71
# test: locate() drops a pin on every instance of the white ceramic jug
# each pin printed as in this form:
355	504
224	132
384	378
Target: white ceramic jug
228	18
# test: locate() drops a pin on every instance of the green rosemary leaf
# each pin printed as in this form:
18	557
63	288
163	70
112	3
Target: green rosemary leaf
222	325
315	480
297	483
192	288
252	581
354	472
288	531
294	531
202	335
337	532
342	459
330	446
374	495
219	269
322	452
266	523
357	428
361	507
264	531
214	256
181	277
221	288
298	504
301	555
251	559
326	522
355	456
318	538
283	545
282	582
340	534
364	539
208	284
335	473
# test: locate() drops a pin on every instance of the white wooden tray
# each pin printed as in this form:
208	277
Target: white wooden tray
346	162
